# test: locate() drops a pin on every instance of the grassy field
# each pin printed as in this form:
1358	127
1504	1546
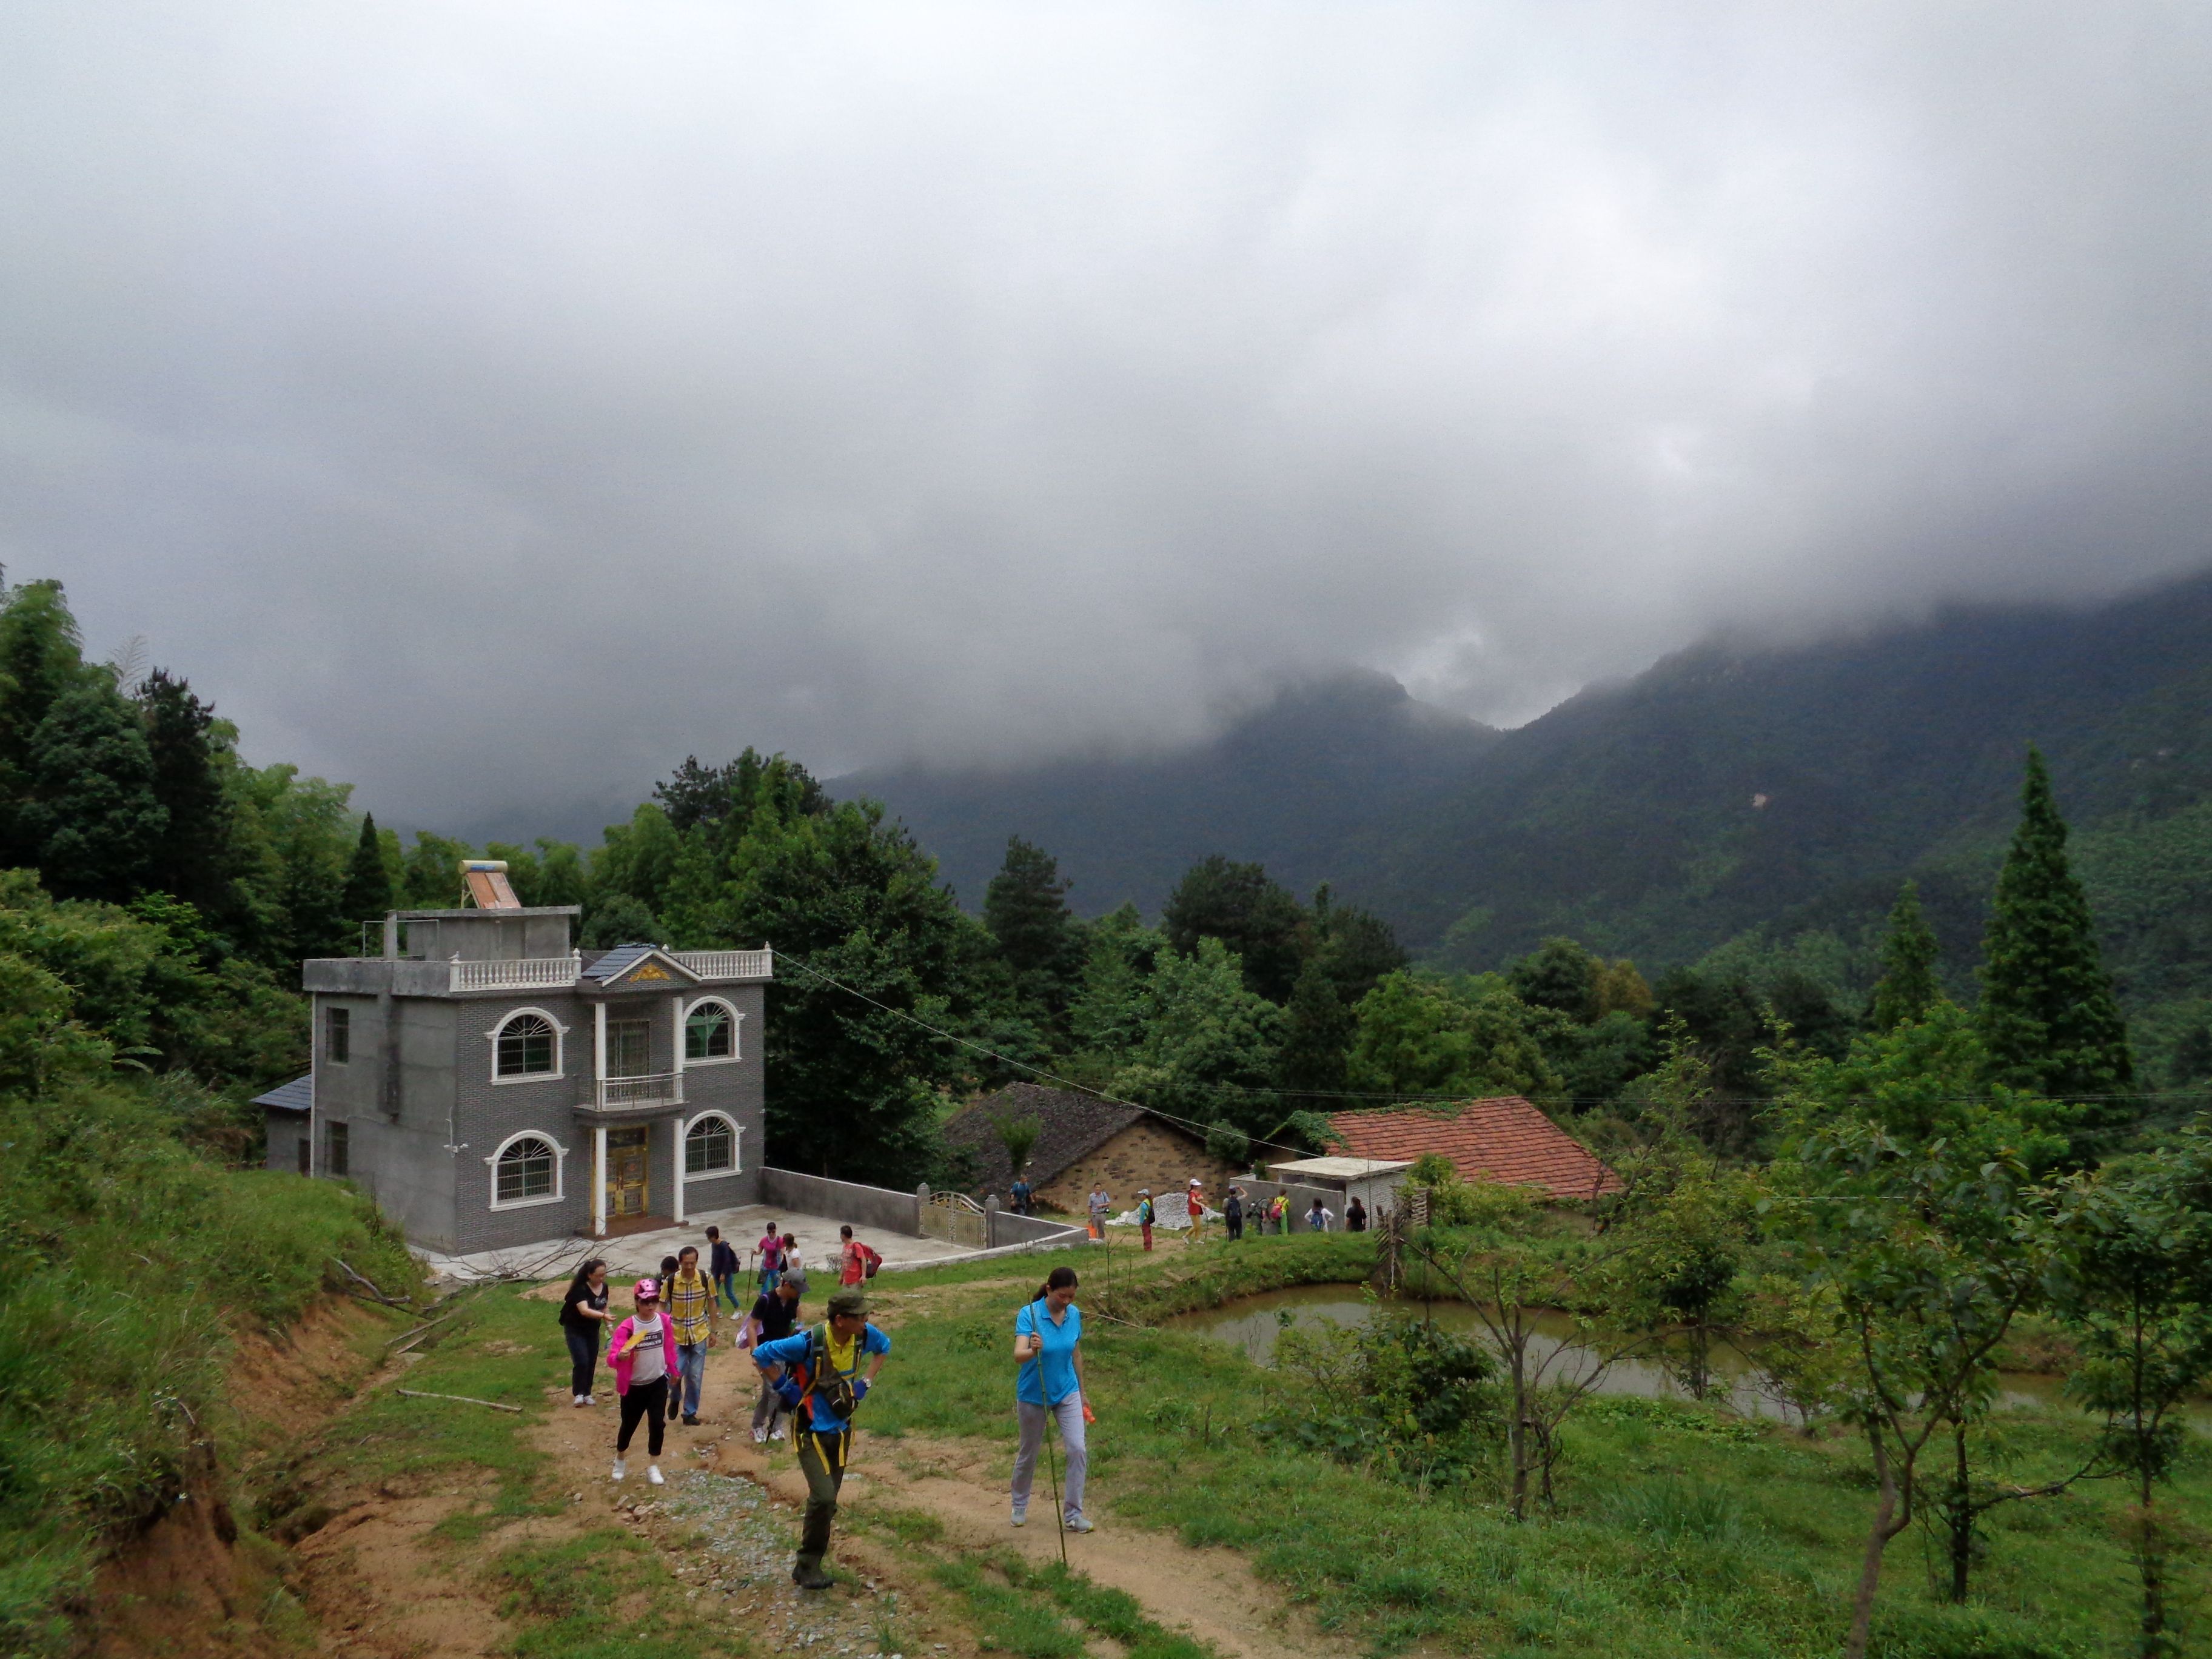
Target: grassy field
1678	1529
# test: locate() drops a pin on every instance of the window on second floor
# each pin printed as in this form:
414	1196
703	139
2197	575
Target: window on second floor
710	1033
525	1047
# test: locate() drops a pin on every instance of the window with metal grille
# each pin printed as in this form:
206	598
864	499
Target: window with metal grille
710	1146
337	1042
525	1047
710	1033
525	1170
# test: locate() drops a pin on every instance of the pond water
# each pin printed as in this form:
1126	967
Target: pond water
1253	1323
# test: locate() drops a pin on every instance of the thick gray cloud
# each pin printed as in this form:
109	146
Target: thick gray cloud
490	403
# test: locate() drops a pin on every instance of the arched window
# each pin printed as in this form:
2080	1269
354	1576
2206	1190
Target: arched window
526	1044
710	1146
527	1169
710	1032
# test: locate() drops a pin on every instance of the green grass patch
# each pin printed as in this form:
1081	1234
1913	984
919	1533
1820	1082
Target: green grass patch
133	1258
576	1599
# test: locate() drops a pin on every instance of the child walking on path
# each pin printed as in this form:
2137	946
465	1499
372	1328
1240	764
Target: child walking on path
638	1353
1048	1389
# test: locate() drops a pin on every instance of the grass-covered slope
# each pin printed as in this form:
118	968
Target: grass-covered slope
131	1258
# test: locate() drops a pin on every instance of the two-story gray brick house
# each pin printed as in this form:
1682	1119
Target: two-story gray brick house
492	1086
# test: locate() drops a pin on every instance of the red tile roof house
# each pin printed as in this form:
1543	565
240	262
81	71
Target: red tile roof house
1504	1140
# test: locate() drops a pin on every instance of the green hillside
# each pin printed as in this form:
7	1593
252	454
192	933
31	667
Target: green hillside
1753	800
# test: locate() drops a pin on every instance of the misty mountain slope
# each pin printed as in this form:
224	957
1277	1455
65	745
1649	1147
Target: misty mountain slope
1290	784
1725	790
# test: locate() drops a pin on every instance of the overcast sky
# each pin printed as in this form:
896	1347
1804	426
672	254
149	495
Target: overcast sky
490	404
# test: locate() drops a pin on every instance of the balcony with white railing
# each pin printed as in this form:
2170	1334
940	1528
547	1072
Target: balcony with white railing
516	973
728	965
636	1094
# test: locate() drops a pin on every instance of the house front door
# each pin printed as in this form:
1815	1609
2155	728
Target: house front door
627	1192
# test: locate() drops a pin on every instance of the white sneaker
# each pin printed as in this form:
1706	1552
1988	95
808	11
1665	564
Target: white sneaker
591	1399
778	1435
619	1470
760	1437
652	1473
1021	1518
579	1400
1080	1523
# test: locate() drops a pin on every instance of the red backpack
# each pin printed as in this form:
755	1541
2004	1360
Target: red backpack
873	1261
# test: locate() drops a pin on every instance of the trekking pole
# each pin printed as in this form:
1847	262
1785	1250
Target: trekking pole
1051	1458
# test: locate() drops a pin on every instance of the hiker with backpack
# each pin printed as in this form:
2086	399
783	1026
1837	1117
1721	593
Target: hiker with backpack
722	1268
640	1350
822	1385
858	1262
1145	1215
1048	1389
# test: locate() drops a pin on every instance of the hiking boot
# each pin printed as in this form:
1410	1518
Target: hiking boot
619	1470
1080	1523
809	1575
690	1421
652	1473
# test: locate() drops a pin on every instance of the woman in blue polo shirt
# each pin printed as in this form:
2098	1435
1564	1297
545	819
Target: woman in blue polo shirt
1049	1387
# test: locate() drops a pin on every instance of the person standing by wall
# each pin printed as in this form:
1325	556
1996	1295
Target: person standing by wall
691	1308
1355	1216
1317	1219
1145	1215
1195	1202
822	1387
772	1319
1278	1213
722	1268
1048	1392
1024	1195
583	1322
1102	1205
638	1353
1232	1211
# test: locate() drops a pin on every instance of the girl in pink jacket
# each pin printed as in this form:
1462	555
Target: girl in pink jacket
640	1351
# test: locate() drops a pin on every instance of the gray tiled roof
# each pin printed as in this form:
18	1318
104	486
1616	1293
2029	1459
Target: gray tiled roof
614	963
1073	1126
297	1096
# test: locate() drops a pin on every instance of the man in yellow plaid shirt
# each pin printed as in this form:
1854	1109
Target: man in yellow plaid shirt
689	1296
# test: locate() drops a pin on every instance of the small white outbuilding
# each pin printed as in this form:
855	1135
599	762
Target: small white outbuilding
1373	1181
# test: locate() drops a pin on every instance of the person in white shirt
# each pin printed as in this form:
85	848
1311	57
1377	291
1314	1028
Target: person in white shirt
1318	1220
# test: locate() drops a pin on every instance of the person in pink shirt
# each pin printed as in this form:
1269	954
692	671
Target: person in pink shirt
641	1351
1196	1203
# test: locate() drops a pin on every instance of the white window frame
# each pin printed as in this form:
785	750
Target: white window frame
560	1048
737	1147
560	1171
736	1032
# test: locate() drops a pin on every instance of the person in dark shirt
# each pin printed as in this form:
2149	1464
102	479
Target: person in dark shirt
1355	1217
583	1322
775	1316
722	1268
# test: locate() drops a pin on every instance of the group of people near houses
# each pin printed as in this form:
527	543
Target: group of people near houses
815	1376
1272	1215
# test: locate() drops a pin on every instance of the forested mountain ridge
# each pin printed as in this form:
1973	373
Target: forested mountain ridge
1729	791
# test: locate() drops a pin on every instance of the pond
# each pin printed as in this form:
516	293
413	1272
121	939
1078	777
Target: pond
1253	1322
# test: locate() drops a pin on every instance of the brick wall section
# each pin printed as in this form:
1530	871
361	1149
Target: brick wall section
1148	1153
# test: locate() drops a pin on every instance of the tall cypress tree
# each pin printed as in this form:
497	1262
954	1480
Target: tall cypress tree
2048	1016
198	857
1908	987
368	883
91	814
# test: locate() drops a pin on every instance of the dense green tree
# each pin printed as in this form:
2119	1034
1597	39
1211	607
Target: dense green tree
1210	1046
432	873
617	918
40	659
1317	1031
1026	908
1108	1019
1422	1035
2048	1014
88	808
1558	973
2133	1285
201	856
309	831
368	883
637	858
1262	924
1908	986
843	895
1354	948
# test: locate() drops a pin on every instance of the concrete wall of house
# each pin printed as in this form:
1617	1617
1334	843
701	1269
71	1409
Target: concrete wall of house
486	1113
1257	1193
842	1201
1148	1153
488	936
287	1132
734	1088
